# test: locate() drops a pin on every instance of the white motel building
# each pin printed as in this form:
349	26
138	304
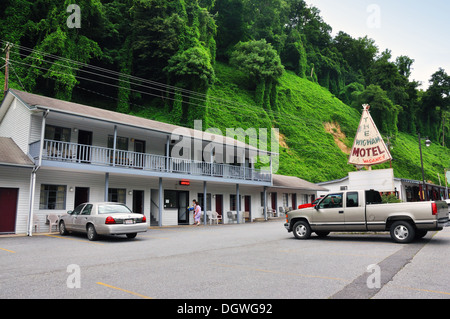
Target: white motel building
55	155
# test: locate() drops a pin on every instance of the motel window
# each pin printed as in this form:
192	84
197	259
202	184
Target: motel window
285	200
52	197
202	204
233	202
56	133
171	199
121	142
117	195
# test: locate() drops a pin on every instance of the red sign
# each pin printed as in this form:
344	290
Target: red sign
185	182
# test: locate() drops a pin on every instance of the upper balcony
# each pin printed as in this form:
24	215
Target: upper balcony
65	153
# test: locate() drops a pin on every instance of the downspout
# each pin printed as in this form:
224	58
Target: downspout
33	176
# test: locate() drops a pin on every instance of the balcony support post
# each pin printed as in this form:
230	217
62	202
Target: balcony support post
238	199
205	202
41	148
106	186
160	202
265	202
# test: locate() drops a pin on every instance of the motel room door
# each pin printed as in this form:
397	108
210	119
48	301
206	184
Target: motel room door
183	204
8	209
219	204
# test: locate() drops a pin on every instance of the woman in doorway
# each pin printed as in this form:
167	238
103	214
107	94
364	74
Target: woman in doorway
197	213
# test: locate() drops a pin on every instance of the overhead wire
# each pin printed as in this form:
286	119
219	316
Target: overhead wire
207	98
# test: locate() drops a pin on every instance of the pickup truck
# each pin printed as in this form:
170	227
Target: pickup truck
361	211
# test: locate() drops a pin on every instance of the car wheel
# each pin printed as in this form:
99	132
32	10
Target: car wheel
91	233
402	232
302	230
132	235
62	228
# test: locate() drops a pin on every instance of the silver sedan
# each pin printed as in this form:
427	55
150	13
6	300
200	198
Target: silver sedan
103	219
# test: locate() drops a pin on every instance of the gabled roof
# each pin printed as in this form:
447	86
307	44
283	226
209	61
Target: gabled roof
12	155
34	101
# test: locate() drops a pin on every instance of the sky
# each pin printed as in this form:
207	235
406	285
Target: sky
417	29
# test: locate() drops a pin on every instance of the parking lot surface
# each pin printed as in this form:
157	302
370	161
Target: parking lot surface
247	261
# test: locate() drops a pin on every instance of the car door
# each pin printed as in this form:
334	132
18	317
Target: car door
83	218
329	214
71	220
355	217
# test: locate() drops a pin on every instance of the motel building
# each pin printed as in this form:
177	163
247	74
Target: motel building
55	155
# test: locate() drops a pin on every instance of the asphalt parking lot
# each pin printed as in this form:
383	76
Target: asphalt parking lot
248	261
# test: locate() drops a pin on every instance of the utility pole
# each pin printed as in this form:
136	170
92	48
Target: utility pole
7	48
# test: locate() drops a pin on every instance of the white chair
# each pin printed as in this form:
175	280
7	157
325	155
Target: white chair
53	221
247	216
209	215
214	217
232	216
36	222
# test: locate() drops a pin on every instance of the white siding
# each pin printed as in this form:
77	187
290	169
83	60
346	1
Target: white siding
13	177
16	124
155	144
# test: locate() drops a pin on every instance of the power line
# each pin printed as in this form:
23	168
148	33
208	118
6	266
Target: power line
208	98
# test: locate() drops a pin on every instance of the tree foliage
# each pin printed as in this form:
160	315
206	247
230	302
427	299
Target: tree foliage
177	43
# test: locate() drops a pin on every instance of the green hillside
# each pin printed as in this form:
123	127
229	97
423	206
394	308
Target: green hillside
232	64
311	151
312	122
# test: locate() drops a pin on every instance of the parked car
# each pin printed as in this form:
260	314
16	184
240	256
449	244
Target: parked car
314	203
361	211
103	218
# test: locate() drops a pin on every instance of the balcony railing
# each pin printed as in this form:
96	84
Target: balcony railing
96	155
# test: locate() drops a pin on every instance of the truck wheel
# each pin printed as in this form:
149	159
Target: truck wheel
302	230
402	232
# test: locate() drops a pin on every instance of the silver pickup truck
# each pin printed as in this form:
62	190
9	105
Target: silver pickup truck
361	211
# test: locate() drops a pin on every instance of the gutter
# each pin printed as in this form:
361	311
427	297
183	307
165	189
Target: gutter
33	177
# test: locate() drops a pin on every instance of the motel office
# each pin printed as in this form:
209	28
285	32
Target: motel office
55	155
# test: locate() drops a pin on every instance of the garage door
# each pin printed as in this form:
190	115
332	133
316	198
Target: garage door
8	209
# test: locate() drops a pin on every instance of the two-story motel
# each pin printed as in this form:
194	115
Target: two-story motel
55	155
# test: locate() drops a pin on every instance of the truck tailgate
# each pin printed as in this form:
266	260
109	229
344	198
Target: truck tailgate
442	212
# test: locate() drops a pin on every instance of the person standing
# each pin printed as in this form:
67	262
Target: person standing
197	213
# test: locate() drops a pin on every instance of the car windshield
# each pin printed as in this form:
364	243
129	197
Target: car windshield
113	209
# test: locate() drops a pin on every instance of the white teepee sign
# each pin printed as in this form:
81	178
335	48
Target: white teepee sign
368	147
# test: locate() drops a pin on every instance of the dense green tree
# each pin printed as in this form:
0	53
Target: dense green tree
383	111
262	64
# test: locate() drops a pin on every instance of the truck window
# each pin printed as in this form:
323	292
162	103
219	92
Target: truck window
331	201
352	199
373	197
